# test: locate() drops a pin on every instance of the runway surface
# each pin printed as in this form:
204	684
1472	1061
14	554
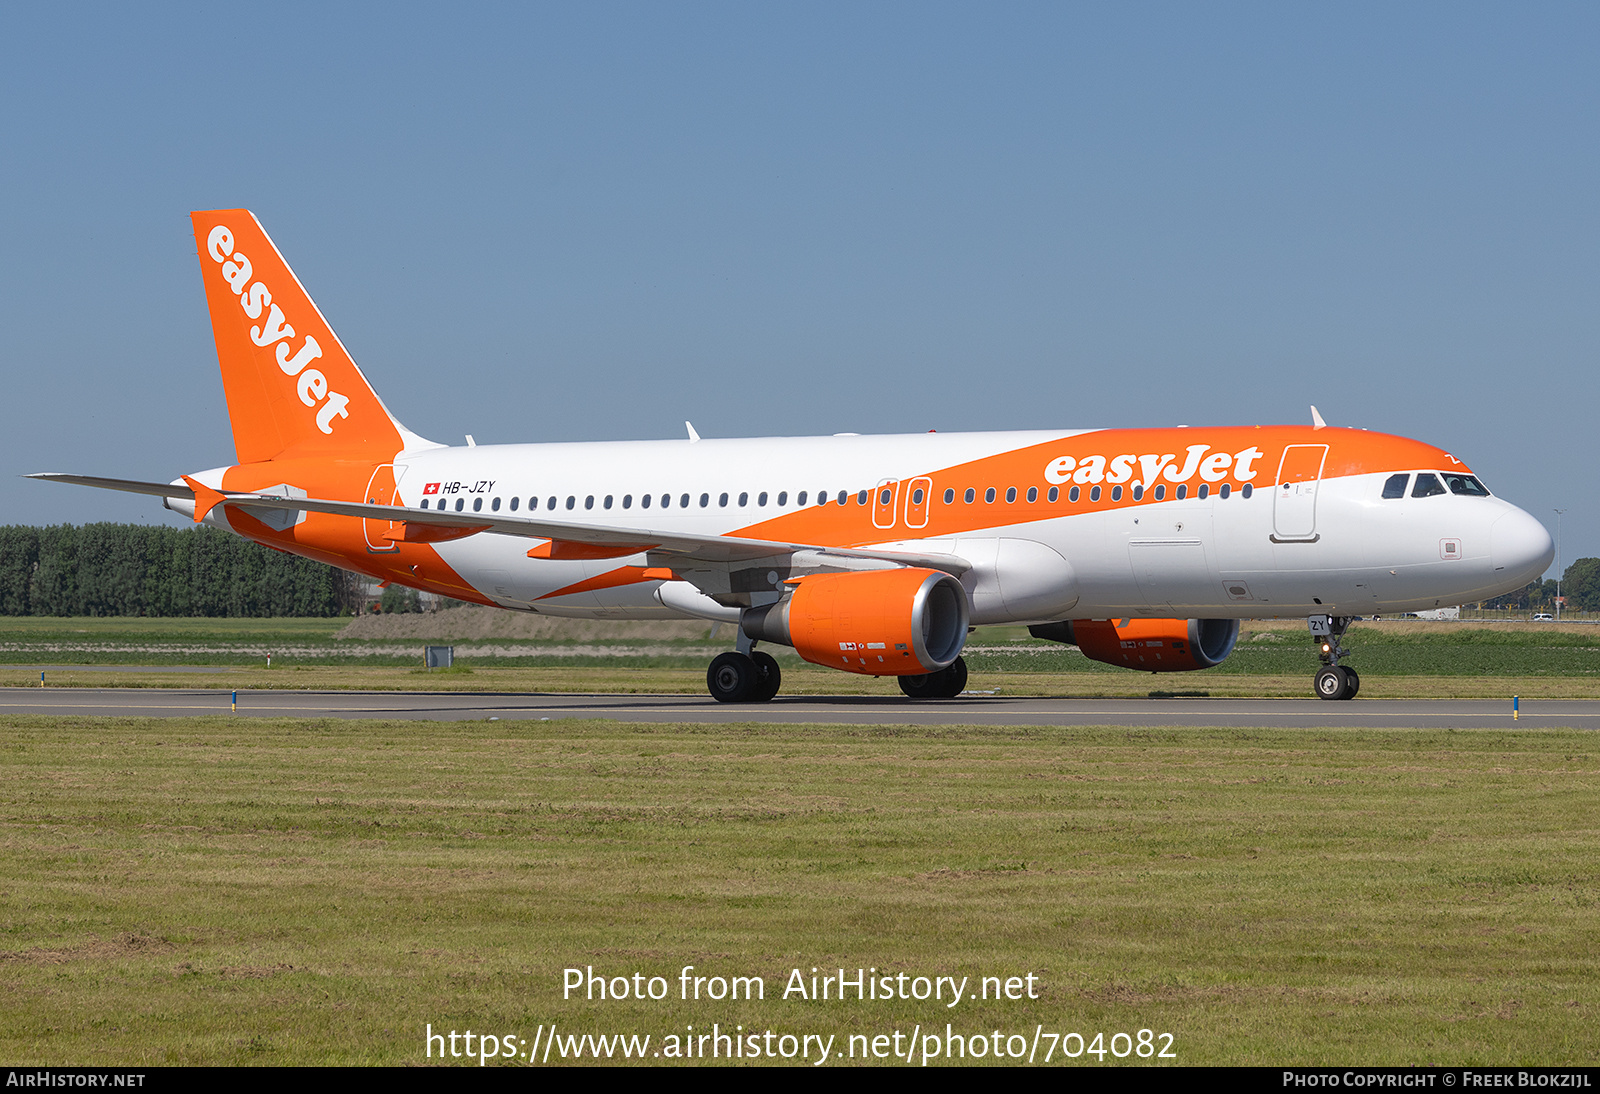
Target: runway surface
854	710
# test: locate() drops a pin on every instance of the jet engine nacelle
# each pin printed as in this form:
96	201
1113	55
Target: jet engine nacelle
901	622
1153	645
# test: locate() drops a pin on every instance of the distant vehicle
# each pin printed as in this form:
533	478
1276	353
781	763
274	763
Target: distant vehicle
1543	617
1440	613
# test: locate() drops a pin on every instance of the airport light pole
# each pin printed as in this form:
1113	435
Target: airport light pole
1558	513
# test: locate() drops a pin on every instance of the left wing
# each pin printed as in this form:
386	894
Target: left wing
567	540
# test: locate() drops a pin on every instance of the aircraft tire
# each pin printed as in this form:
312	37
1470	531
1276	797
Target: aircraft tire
732	678
953	679
1332	682
769	677
922	686
1355	683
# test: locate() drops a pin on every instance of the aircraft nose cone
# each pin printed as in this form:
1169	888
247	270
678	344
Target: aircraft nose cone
1520	548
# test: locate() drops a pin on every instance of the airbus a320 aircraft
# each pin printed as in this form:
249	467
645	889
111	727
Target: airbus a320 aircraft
872	555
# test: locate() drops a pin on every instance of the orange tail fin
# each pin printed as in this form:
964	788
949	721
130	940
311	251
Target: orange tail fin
292	389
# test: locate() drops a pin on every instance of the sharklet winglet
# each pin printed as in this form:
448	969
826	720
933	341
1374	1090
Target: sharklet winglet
205	498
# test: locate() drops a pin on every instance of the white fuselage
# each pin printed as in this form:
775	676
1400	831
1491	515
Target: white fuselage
1350	552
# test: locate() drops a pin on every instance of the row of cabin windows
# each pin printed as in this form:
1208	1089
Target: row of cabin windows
886	497
1428	485
685	501
1159	493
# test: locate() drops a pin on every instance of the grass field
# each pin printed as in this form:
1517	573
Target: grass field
1397	659
200	892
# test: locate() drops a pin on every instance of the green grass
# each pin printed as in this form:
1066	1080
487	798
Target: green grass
1397	659
1264	649
208	891
17	628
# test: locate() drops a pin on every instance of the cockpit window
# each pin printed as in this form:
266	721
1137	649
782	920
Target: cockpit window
1427	486
1395	486
1465	485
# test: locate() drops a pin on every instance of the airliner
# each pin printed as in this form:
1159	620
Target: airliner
874	555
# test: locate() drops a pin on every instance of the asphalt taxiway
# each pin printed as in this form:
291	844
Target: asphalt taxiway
1307	713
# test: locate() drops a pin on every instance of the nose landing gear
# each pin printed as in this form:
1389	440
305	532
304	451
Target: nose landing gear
1333	680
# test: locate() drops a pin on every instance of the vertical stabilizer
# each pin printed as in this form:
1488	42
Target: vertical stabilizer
292	389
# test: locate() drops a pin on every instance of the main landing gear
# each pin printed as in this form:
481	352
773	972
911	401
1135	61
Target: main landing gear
1333	680
752	677
947	683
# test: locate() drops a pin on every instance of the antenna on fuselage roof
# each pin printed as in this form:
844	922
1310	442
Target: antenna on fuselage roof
693	436
1316	420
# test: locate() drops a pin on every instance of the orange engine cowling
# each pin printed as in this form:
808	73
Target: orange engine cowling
903	622
1154	645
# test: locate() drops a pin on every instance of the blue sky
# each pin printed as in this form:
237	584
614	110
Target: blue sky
594	221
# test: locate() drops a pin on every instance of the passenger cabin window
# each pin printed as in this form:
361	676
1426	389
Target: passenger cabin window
608	501
861	498
970	495
1055	492
1116	493
1011	495
477	505
988	496
1072	495
683	501
627	501
800	498
705	500
844	496
495	505
761	498
1395	486
1427	486
1465	485
514	504
1033	494
644	501
949	496
783	498
722	500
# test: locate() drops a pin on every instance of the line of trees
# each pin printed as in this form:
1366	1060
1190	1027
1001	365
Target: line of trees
136	569
1580	585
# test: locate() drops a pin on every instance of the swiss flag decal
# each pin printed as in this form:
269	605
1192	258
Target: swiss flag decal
431	488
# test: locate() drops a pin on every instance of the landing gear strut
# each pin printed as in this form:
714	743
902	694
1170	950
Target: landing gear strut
947	683
1333	680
